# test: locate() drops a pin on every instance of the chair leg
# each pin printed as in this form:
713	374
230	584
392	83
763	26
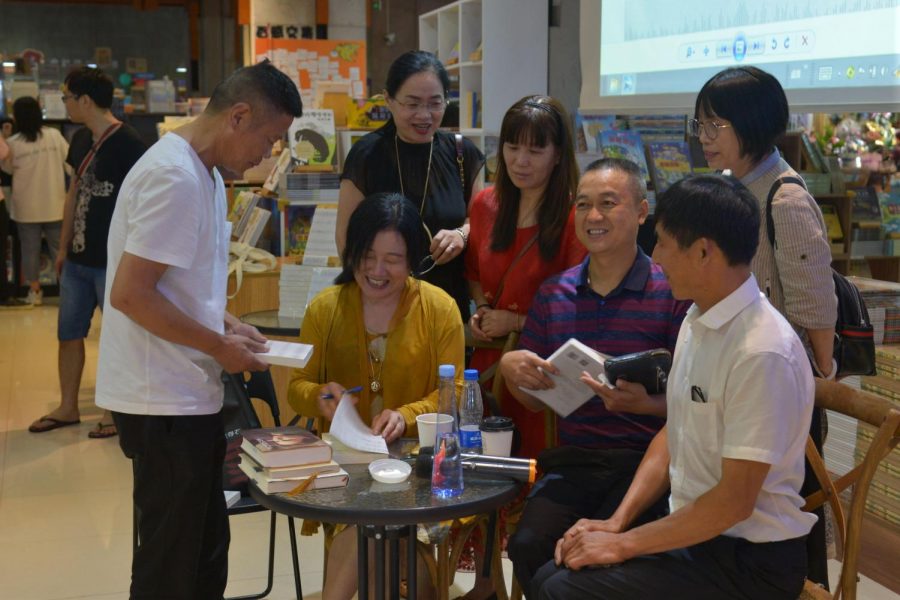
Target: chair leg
271	573
294	559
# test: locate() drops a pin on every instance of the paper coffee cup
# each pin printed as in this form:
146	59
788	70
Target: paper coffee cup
497	436
427	426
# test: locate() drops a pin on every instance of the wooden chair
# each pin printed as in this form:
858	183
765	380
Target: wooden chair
885	417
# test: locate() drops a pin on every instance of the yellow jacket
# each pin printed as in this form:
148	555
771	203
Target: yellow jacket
426	331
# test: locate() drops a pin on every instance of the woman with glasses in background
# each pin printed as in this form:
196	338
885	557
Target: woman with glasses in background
408	155
738	115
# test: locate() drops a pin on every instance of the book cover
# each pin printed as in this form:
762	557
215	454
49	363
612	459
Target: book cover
312	137
284	446
491	146
832	222
890	209
259	217
590	127
291	471
569	392
813	154
243	206
669	162
297	225
280	168
865	205
627	145
272	485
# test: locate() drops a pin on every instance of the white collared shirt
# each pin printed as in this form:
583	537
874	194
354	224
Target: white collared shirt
741	388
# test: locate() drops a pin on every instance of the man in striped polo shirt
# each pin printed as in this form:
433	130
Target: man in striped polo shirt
616	302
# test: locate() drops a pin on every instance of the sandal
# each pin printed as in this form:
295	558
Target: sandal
103	430
48	423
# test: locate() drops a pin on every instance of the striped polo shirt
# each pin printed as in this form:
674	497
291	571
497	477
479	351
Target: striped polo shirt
640	314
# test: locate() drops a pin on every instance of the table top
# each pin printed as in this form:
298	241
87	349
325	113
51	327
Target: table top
365	501
269	323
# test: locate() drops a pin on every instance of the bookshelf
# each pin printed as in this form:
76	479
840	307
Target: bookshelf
512	62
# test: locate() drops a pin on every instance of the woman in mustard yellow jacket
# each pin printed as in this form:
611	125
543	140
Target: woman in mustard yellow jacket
383	330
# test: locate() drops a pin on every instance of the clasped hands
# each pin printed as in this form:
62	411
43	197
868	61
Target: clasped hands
389	424
592	543
489	323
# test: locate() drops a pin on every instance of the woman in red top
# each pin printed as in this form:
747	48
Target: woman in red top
521	234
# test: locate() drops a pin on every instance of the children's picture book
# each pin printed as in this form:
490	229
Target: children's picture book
890	209
832	222
244	204
589	128
297	224
627	145
813	154
274	485
284	446
312	137
669	162
866	208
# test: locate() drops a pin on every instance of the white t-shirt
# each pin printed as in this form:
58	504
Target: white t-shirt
745	360
171	211
39	182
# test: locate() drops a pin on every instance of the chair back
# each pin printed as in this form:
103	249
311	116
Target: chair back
238	413
885	417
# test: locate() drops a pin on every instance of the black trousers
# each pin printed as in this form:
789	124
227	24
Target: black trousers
723	568
566	494
182	522
7	289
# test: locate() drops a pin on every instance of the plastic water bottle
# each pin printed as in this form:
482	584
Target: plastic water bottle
446	472
471	410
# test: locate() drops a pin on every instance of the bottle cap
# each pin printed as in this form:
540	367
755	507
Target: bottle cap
446	371
470	375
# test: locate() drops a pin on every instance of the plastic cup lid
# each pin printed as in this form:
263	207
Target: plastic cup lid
497	424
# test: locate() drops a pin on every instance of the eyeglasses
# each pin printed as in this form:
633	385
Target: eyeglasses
70	97
427	263
434	106
710	128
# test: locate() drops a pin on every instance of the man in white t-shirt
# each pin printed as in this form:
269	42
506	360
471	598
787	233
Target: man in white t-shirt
739	404
166	335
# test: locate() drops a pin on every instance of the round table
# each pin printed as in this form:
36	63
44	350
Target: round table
269	323
381	510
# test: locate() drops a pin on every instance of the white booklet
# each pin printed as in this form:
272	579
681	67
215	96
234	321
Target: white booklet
287	354
569	392
349	429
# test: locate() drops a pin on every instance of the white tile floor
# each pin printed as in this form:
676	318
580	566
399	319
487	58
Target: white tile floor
65	500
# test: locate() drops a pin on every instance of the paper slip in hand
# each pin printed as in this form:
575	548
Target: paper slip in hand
286	354
349	429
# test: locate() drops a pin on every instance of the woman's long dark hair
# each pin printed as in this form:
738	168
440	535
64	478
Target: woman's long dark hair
28	116
536	121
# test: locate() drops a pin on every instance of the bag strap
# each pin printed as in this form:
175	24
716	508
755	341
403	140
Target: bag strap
93	151
459	161
515	260
770	221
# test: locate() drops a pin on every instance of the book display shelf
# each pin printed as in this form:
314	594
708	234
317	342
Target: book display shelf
495	53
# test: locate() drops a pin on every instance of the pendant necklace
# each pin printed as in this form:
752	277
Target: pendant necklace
375	353
427	172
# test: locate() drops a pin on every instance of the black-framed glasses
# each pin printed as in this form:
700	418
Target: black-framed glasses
710	128
427	263
432	106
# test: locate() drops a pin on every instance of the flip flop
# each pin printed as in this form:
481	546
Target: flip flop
103	431
51	424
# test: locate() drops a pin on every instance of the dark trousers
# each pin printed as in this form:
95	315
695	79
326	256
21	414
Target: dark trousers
182	524
723	568
566	494
7	289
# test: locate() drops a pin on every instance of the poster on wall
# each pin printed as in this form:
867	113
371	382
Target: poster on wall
308	62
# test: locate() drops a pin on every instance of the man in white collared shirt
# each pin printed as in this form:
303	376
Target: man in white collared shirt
739	399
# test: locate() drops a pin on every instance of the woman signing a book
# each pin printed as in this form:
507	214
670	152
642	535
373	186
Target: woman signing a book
383	330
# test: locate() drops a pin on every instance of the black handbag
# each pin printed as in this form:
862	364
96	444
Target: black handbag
650	368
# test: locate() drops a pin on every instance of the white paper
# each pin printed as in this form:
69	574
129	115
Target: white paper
349	429
569	392
320	242
286	354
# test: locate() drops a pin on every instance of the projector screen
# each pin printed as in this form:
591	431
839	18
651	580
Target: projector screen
640	56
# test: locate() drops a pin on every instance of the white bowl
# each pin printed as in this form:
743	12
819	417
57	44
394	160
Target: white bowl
389	470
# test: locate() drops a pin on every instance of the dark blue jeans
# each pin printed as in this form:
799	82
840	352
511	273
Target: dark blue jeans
182	520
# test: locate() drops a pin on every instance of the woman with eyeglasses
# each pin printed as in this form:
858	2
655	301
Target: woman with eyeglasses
37	162
382	330
408	155
738	115
522	232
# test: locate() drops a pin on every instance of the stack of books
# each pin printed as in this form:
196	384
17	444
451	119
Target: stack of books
280	459
293	290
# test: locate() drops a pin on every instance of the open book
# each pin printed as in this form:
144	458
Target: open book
569	392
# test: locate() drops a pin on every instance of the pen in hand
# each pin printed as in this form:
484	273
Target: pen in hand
353	390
